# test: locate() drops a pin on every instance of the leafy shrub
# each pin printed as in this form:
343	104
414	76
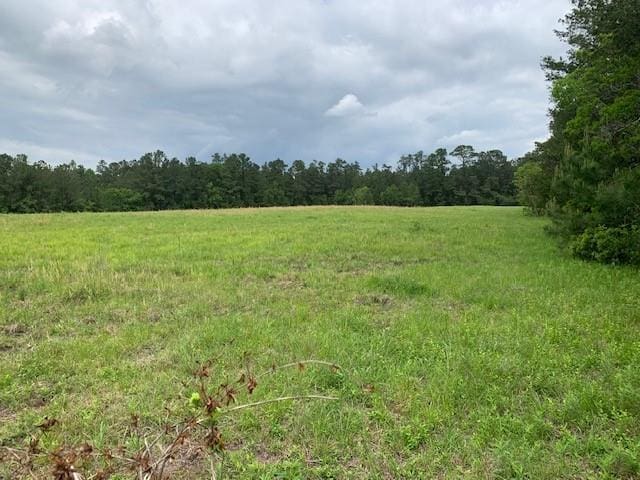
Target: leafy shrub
363	196
609	245
114	199
533	187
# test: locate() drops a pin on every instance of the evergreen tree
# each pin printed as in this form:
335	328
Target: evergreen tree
156	182
594	150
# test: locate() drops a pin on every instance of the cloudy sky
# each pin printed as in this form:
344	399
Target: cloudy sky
311	79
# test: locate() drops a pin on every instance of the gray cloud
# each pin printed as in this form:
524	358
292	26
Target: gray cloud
307	79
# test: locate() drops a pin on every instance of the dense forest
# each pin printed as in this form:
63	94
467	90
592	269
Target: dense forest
156	182
586	176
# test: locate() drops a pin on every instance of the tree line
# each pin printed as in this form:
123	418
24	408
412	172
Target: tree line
157	182
586	176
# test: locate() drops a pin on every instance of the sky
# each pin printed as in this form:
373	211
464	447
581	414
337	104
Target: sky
365	81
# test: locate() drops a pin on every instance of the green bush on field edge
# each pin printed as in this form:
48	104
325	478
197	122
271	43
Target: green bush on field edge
609	245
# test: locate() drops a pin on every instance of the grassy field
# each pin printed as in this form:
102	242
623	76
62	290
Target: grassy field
470	346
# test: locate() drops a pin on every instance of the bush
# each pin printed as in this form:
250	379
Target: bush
608	245
363	196
120	200
533	187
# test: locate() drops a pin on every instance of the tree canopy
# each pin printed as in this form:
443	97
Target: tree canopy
587	175
157	182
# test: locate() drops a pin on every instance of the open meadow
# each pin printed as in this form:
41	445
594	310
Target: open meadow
469	345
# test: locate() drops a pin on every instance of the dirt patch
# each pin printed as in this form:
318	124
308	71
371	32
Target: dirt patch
188	461
266	457
287	282
37	400
14	329
119	315
23	304
154	315
379	300
6	415
145	356
220	309
233	445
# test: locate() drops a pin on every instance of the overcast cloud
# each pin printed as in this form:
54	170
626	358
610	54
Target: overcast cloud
311	79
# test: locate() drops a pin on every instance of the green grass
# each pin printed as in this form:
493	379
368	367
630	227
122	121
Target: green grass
471	346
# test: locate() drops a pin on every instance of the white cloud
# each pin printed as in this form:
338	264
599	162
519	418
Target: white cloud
348	105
